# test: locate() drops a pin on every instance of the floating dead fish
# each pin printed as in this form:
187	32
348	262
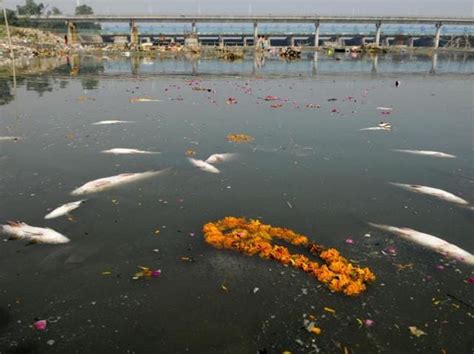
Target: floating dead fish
22	231
9	138
64	209
203	165
428	153
385	125
218	158
123	151
102	184
429	241
385	108
435	192
107	122
377	128
144	99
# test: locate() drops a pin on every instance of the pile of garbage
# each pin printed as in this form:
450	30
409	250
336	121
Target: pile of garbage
29	43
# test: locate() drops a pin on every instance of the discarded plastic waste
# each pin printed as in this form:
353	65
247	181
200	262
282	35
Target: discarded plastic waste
40	325
143	99
146	273
415	331
231	100
108	122
253	238
21	231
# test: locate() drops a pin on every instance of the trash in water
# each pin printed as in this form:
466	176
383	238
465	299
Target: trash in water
328	309
239	138
254	238
231	100
146	273
416	331
276	105
350	241
255	290
40	325
108	122
190	152
271	98
368	323
332	99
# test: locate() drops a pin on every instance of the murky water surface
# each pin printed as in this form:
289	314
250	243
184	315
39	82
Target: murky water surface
309	169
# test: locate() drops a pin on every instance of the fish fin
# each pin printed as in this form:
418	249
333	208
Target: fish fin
32	242
13	238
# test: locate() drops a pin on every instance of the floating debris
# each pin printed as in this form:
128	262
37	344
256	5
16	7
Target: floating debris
415	331
190	152
239	138
143	99
231	100
40	325
254	238
146	273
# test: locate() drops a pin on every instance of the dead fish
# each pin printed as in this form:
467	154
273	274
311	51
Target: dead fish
143	99
107	122
218	158
429	241
102	184
377	128
385	108
123	151
435	192
64	209
428	153
9	138
385	125
22	231
203	165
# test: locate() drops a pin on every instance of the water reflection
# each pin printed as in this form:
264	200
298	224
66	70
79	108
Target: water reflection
89	69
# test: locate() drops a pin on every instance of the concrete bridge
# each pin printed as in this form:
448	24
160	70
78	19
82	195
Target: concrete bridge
378	21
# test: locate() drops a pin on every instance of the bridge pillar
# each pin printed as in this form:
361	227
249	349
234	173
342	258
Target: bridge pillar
378	27
221	41
316	34
411	42
387	42
134	38
437	35
255	33
71	32
193	27
291	41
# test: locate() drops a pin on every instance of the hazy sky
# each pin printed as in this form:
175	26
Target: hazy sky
461	8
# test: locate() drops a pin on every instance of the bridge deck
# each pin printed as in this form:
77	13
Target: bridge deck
469	21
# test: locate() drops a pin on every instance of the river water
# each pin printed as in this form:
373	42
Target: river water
309	169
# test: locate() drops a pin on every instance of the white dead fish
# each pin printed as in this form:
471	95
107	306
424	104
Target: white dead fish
22	231
107	122
9	138
123	151
218	158
203	165
377	128
64	209
429	241
102	184
143	99
435	192
427	153
385	125
385	108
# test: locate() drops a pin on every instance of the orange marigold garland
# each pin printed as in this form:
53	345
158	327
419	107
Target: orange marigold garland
252	237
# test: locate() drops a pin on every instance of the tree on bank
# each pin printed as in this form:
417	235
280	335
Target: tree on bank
31	8
84	10
56	11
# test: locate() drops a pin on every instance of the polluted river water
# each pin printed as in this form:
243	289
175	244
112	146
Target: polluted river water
308	166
